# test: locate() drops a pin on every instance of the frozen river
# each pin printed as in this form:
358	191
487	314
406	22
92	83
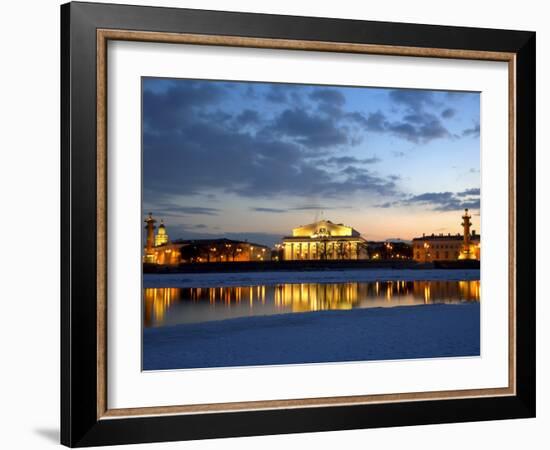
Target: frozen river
241	319
178	299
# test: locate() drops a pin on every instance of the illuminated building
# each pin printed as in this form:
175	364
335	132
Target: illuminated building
161	238
160	250
391	249
448	247
324	240
221	250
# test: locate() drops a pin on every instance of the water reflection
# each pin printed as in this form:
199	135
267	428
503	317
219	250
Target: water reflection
171	306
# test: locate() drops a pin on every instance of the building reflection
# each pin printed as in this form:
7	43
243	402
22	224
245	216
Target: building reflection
303	297
156	301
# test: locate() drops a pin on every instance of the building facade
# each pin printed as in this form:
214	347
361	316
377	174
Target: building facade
222	250
449	247
324	240
160	250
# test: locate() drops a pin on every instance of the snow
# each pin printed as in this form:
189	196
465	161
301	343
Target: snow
427	331
183	280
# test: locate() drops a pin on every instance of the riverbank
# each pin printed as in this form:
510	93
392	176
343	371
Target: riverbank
428	331
294	277
305	265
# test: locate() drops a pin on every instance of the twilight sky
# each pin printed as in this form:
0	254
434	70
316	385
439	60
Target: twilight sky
248	160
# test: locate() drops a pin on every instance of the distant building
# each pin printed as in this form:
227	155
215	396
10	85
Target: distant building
160	250
448	247
222	250
324	240
161	238
389	249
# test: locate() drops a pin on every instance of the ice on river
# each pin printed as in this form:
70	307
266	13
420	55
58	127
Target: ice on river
183	280
427	331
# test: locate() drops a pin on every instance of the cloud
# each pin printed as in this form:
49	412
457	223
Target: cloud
387	204
330	101
247	117
317	207
310	130
202	138
440	201
277	94
269	210
417	125
374	121
454	95
443	201
471	132
314	207
327	95
431	197
469	192
456	205
197	155
250	92
419	128
173	209
169	109
283	93
415	99
345	160
448	113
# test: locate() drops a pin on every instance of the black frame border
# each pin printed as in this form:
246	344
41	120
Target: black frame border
79	423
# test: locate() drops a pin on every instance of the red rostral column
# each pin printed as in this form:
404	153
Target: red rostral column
150	228
466	224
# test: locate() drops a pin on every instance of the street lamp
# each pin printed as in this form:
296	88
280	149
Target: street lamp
426	248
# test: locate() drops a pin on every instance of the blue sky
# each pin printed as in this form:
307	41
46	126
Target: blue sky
249	160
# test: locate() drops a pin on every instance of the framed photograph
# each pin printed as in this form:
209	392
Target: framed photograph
276	224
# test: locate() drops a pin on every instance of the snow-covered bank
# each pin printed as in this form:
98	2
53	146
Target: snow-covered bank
183	280
327	336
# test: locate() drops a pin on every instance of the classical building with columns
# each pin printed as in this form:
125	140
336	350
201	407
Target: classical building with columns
449	247
324	240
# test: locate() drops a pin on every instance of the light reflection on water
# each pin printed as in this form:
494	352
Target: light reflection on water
172	306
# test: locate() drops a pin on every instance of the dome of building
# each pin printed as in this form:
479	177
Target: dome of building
162	237
162	228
